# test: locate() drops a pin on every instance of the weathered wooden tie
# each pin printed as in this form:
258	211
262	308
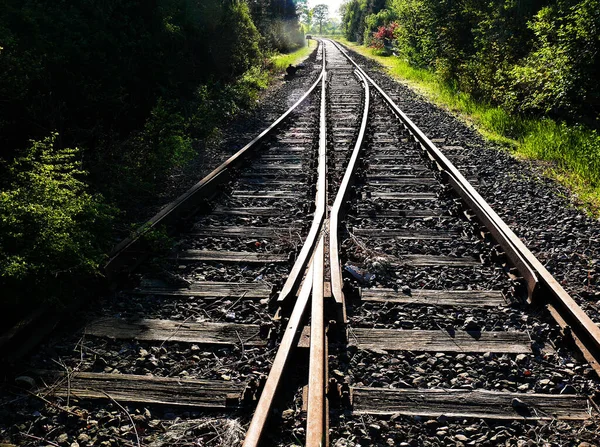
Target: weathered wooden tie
263	211
253	232
205	333
509	342
238	194
435	261
406	234
402	213
479	404
403	195
254	291
231	256
176	392
470	298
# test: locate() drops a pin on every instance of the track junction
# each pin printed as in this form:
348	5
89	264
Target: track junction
334	282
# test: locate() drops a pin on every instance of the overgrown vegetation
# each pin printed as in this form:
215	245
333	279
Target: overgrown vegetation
139	88
523	71
51	228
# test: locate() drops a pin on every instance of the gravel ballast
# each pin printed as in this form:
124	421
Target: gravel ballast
541	212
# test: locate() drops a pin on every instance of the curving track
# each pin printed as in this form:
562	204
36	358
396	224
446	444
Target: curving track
336	282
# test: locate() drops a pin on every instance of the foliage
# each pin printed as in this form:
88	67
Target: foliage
86	68
161	144
537	57
51	227
377	28
120	80
559	77
383	37
413	42
278	23
236	50
354	14
352	19
139	87
320	14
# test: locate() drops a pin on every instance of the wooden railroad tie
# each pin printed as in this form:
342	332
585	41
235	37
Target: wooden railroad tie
478	404
173	392
231	257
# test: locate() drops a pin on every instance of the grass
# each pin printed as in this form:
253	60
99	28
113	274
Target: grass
571	154
281	61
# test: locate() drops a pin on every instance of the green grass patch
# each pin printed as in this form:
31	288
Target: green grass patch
281	61
570	154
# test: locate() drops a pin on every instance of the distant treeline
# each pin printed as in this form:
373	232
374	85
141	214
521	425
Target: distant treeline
99	100
535	57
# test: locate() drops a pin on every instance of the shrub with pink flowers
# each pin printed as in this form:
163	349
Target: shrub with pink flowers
384	36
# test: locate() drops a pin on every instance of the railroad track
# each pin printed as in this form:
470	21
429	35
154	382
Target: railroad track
343	285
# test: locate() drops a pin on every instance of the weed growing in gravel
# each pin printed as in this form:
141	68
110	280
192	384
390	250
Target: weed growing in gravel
572	150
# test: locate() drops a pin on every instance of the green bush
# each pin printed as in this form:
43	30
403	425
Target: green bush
559	77
162	144
52	229
216	102
374	21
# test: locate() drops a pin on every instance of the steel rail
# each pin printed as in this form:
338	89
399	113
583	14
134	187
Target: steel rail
295	276
289	340
503	234
203	189
315	270
336	210
316	417
568	314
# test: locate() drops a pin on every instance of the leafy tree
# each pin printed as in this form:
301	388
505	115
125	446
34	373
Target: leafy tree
415	34
320	14
353	13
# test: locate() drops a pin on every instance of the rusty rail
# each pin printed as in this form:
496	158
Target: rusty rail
316	417
313	282
336	210
540	283
289	340
299	267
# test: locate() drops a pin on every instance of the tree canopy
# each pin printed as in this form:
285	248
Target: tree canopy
320	14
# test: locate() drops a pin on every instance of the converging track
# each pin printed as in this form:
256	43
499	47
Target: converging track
337	282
